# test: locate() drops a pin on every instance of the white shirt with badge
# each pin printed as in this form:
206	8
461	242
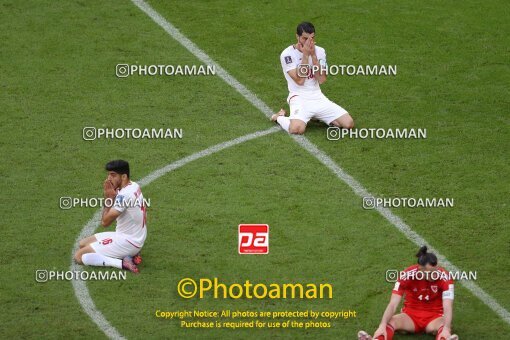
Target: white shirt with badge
290	60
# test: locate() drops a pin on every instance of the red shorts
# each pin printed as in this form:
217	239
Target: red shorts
421	318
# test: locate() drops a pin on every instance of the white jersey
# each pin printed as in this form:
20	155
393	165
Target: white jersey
290	59
131	222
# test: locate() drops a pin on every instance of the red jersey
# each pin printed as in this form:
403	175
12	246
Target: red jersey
421	294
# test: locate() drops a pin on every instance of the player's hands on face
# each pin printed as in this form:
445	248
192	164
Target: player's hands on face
108	189
309	46
312	45
306	47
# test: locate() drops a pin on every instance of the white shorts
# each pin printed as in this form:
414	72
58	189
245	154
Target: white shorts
115	245
320	108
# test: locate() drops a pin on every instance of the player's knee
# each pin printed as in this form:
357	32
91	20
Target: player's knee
77	258
296	130
82	243
393	322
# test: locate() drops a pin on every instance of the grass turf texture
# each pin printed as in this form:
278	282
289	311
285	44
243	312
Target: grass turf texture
58	76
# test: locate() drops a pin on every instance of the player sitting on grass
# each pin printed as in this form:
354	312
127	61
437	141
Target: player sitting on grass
304	66
428	302
115	249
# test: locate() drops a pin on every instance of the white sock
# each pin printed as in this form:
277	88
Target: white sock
95	259
284	122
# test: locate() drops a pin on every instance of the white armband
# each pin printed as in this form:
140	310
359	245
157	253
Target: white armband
448	294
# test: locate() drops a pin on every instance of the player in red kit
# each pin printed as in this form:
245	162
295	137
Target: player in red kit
428	302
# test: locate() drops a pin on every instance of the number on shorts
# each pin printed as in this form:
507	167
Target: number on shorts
106	241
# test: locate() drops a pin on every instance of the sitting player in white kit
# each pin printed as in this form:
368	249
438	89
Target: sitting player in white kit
304	66
120	248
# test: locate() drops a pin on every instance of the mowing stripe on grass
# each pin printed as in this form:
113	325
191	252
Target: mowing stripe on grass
80	287
320	155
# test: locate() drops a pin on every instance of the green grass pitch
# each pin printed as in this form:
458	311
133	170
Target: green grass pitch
58	75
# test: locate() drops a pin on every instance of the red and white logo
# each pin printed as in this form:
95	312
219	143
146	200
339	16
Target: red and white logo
434	289
253	239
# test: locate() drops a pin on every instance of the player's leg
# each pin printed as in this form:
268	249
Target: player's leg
112	250
87	240
280	118
292	126
403	322
345	121
88	256
298	118
299	115
398	322
297	127
109	250
436	327
86	245
332	113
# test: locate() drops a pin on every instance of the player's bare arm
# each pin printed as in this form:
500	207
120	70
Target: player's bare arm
304	61
318	72
109	215
388	313
297	79
448	316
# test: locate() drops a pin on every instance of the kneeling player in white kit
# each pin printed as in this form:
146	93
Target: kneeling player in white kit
119	249
304	66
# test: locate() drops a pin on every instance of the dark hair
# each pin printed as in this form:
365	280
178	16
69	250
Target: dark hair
305	27
425	258
119	166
